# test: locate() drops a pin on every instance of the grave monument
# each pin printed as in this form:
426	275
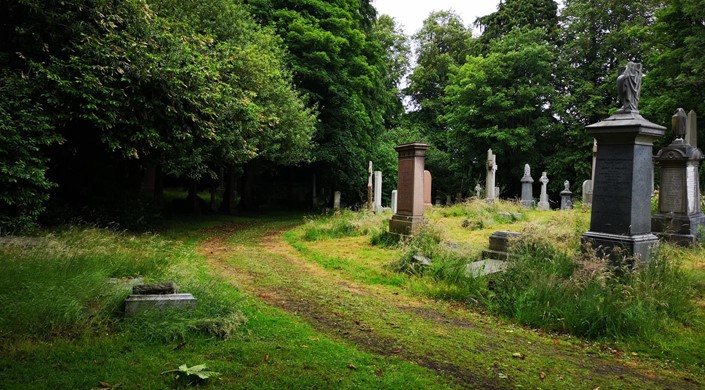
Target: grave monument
620	224
543	199
527	191
409	215
679	216
566	194
491	171
378	192
427	181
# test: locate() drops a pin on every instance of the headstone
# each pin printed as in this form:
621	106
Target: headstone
491	171
336	200
135	304
427	181
679	216
566	202
692	129
478	190
370	205
527	191
620	224
485	267
449	200
394	201
409	216
499	245
543	199
378	191
587	191
438	200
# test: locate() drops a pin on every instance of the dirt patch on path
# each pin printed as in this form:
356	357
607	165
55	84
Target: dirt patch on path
294	296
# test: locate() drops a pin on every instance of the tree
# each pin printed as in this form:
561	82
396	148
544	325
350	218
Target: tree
512	14
501	100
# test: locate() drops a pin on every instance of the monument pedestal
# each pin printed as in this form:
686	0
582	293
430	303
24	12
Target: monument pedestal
621	204
410	190
680	229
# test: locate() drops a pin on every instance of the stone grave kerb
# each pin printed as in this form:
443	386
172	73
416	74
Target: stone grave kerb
620	224
410	186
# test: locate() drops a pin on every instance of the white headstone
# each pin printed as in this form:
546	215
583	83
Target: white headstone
336	200
378	191
491	170
587	192
394	201
543	200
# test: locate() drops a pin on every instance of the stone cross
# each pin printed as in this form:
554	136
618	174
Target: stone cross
491	170
543	200
692	129
679	122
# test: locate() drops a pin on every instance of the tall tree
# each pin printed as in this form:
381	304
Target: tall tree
512	14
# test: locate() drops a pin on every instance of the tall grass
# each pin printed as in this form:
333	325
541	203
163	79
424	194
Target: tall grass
344	223
59	284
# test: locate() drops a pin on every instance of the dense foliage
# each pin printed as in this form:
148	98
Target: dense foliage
97	92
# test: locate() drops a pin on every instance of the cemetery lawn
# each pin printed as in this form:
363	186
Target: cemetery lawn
292	303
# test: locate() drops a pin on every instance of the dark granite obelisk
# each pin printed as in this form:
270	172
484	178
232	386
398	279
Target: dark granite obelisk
410	189
620	224
679	217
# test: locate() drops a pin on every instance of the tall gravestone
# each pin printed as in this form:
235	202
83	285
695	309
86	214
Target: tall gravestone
691	135
370	205
491	171
378	191
566	194
394	201
427	182
409	216
336	200
527	190
679	216
620	224
543	199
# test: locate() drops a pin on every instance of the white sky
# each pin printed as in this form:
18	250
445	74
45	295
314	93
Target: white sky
411	13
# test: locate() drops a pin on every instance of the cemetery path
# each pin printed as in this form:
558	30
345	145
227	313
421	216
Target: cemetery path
477	351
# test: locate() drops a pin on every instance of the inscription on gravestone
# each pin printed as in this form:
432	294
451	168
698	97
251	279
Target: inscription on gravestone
672	192
405	204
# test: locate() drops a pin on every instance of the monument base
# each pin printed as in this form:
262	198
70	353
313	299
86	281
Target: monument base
679	229
406	225
618	247
527	204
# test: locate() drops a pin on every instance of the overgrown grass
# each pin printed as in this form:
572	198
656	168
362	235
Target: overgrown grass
343	223
72	283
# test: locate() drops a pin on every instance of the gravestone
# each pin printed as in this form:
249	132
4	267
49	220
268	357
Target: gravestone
499	245
478	190
587	191
427	181
692	129
566	202
157	296
679	216
491	171
620	224
336	200
370	205
438	200
543	199
394	201
449	200
527	191
496	192
378	191
409	216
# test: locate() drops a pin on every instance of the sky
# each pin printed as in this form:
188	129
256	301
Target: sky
411	14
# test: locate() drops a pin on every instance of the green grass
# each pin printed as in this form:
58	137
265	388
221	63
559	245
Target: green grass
61	324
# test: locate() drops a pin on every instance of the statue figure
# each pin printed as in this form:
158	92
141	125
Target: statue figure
629	87
678	123
527	170
566	184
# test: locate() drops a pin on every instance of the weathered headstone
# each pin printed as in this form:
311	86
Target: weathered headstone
157	296
409	216
692	129
620	223
427	181
449	200
679	216
370	205
438	200
587	191
336	200
394	201
499	245
566	195
527	191
478	190
491	171
378	191
543	199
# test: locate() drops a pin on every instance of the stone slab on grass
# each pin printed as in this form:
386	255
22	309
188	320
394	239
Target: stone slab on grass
138	303
485	267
